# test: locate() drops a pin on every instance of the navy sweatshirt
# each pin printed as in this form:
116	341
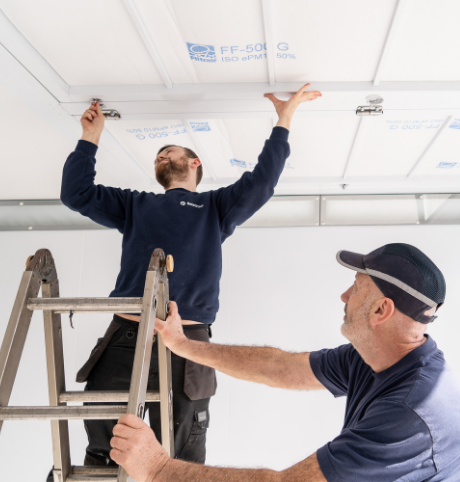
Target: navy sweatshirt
189	225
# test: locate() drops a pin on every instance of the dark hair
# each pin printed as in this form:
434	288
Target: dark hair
191	155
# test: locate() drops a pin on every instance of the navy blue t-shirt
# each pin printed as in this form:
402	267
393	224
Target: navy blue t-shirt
189	225
401	424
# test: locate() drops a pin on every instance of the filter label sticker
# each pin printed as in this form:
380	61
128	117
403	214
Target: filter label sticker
200	126
455	124
414	124
446	165
237	53
202	52
143	133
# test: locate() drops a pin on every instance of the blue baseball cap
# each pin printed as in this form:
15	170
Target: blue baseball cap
405	275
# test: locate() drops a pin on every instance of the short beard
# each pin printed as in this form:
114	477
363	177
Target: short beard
355	326
169	171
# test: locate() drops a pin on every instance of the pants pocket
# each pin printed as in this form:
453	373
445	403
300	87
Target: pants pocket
194	449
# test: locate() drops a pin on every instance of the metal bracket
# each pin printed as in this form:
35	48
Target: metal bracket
108	113
369	110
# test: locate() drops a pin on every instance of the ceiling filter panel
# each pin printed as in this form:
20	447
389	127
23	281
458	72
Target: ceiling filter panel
320	147
444	156
225	41
390	146
86	42
331	40
427	44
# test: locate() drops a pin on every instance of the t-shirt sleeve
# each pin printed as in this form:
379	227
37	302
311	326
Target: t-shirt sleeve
390	442
332	367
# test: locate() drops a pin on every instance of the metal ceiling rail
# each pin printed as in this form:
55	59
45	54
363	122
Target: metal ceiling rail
207	162
396	20
430	146
269	41
148	41
248	90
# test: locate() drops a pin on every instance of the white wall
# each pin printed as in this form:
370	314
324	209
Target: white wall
280	287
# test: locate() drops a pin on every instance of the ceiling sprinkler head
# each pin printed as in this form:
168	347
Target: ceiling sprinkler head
374	99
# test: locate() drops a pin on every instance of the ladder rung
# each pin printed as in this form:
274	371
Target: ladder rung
93	474
91	478
107	412
93	470
105	396
107	305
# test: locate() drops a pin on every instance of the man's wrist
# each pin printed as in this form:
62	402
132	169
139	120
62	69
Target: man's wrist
91	137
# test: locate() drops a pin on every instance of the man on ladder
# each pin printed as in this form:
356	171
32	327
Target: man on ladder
189	225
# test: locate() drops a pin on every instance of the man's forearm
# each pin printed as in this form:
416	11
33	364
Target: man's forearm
307	470
178	471
259	364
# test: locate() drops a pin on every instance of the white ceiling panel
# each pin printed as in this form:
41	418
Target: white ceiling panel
246	138
444	156
321	146
331	40
224	40
86	42
143	139
391	146
427	43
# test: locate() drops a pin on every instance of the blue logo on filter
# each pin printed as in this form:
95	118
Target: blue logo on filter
446	165
455	124
236	162
200	126
201	52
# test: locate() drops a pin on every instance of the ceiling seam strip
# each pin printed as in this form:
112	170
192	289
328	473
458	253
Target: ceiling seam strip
269	41
148	42
354	147
395	21
430	145
201	150
145	92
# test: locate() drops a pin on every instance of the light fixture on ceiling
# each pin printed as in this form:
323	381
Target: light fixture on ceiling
374	107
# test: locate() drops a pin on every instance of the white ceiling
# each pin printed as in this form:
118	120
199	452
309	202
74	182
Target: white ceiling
137	55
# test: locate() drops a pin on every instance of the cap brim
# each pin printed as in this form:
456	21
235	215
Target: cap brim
354	261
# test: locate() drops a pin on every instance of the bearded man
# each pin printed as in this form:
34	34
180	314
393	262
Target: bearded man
189	225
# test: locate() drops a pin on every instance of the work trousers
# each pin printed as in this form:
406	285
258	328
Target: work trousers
113	372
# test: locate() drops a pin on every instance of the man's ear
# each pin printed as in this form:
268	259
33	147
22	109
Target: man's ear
382	310
195	163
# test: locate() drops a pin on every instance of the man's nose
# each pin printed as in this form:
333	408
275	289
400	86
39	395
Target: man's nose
346	296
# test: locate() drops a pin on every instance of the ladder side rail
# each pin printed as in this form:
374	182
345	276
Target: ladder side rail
56	384
15	335
142	354
165	374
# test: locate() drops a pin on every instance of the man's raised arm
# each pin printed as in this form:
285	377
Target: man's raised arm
267	365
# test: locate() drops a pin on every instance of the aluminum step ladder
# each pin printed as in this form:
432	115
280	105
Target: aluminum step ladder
41	271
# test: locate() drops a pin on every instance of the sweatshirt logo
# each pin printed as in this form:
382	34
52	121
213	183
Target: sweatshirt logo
183	203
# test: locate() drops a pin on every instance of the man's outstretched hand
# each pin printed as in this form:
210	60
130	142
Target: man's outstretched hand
136	449
92	122
171	330
286	108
